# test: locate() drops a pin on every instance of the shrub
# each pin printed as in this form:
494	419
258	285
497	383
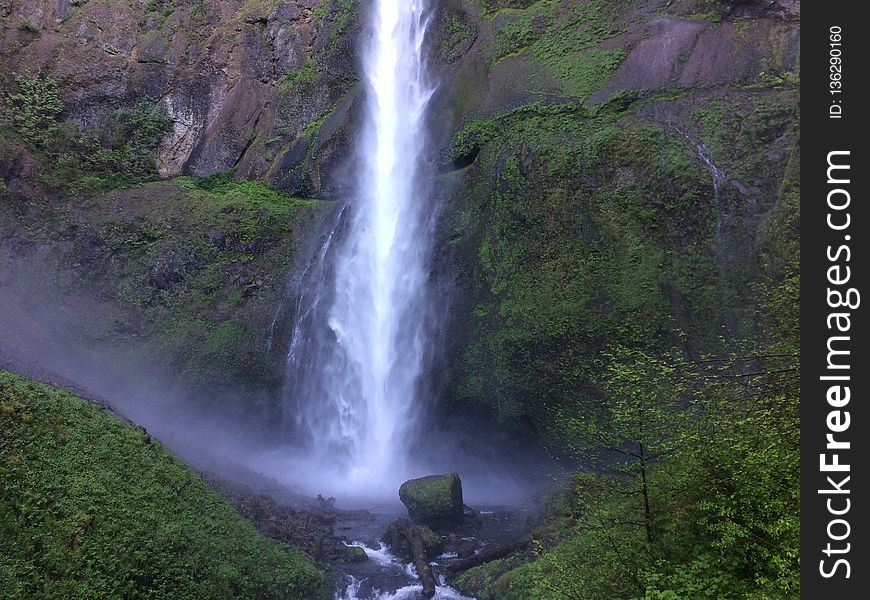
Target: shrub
119	150
28	25
34	109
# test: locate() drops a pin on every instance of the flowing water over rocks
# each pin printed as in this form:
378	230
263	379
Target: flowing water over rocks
386	576
367	560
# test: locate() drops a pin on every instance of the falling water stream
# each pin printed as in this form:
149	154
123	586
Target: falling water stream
360	339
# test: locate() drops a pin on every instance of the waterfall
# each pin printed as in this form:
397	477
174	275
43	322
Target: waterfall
360	340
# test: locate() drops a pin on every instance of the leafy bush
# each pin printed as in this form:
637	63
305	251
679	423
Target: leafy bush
33	110
127	143
28	25
716	516
120	150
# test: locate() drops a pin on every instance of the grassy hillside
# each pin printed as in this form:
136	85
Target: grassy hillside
93	508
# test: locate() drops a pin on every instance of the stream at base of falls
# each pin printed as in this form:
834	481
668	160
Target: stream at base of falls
387	571
385	576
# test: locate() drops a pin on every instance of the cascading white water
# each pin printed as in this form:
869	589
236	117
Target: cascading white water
354	384
393	567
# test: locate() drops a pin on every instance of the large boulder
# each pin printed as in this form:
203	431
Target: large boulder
435	500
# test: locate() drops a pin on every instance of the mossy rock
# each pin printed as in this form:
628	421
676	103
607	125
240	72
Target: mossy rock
354	554
435	500
398	538
431	541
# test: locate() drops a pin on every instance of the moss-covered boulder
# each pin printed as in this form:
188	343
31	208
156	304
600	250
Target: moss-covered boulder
354	554
435	500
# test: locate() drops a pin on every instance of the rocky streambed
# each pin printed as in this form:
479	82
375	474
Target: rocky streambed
379	553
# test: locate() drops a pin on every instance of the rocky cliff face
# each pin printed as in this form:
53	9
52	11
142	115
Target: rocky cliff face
236	77
620	173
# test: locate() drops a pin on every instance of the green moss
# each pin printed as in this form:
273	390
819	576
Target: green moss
255	9
656	221
433	500
335	15
695	10
780	287
590	225
312	129
484	582
224	341
301	80
203	265
236	298
431	540
738	134
583	74
92	507
228	194
257	229
565	260
456	31
355	554
550	33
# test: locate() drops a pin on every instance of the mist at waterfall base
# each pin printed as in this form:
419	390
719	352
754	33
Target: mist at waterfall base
55	332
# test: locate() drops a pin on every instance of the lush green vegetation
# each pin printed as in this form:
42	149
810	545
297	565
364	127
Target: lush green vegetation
204	295
592	229
195	267
621	312
609	318
534	27
34	108
568	262
697	498
93	508
119	151
633	274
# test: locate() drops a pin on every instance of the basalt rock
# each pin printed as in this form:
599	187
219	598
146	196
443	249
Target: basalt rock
398	538
220	69
303	528
435	500
415	545
353	554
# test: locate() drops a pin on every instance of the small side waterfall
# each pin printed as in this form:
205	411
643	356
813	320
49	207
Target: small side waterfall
360	341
